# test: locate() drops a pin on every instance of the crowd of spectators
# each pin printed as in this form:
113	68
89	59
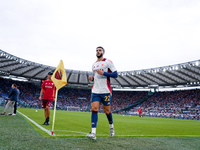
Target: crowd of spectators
67	97
175	104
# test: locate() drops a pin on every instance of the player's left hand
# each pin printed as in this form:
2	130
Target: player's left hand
100	72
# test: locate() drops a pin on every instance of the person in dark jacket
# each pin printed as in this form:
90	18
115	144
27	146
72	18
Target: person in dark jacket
13	97
15	106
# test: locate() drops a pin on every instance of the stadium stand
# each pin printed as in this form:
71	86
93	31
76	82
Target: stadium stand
183	104
177	104
173	76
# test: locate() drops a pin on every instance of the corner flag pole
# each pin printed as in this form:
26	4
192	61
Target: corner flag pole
54	112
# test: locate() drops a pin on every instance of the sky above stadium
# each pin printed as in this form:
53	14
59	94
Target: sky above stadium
136	35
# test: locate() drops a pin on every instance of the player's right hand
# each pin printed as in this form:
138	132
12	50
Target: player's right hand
90	78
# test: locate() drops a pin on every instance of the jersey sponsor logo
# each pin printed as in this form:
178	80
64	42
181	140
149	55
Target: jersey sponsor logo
48	87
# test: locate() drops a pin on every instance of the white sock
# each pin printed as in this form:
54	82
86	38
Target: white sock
111	126
94	130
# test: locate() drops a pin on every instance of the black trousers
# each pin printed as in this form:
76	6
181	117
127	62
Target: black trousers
15	108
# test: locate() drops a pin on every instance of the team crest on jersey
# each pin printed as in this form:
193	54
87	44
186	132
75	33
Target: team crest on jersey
59	74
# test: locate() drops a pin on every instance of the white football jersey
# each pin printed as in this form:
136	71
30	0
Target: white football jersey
102	83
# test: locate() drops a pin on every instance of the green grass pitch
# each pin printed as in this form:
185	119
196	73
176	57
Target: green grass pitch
132	132
77	124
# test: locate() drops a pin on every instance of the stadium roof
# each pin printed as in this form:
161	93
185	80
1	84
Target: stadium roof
178	75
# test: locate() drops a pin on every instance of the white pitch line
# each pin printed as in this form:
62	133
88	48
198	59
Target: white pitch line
39	126
71	131
107	135
68	135
157	135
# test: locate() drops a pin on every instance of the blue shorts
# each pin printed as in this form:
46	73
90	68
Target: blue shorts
104	98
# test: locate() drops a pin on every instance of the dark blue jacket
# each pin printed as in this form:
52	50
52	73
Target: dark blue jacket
14	94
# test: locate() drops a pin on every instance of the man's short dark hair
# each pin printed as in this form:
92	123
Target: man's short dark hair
14	85
50	73
101	48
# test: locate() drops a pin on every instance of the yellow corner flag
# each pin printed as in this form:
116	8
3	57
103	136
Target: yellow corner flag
59	77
